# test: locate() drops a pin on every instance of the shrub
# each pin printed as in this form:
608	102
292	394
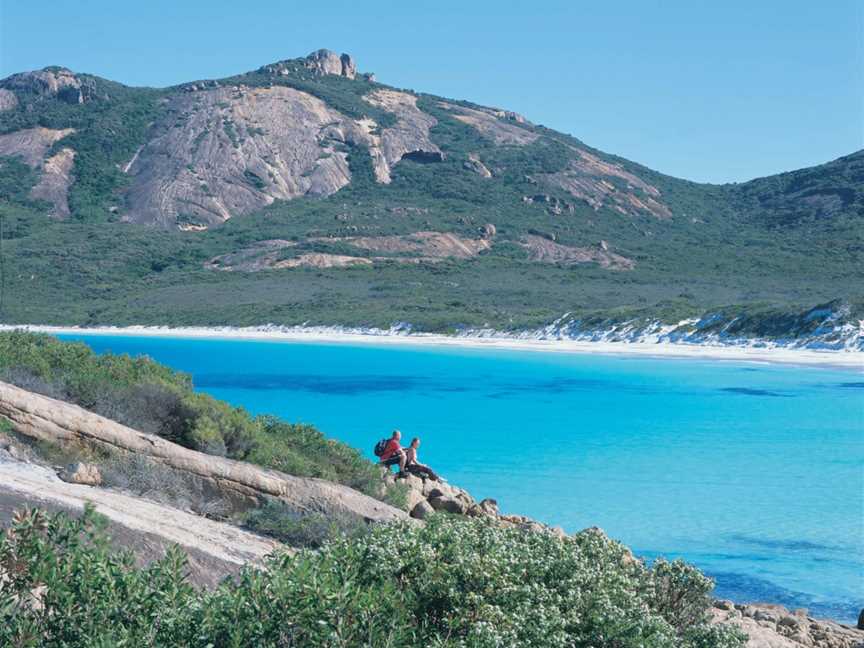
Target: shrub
314	530
450	583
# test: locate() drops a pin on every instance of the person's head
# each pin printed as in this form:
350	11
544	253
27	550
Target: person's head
397	435
415	442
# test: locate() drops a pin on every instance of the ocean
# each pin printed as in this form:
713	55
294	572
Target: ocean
753	472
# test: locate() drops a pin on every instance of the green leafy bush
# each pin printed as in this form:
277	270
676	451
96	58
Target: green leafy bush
450	583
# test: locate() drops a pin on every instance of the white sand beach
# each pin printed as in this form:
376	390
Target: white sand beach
843	359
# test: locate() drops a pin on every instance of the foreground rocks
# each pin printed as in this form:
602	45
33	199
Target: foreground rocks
774	626
426	496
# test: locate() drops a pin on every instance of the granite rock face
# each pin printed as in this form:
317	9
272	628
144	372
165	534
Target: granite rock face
605	184
325	61
238	149
227	151
8	100
408	138
31	146
52	82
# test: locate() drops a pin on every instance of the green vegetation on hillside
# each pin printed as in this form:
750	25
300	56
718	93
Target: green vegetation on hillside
108	131
447	584
153	398
786	242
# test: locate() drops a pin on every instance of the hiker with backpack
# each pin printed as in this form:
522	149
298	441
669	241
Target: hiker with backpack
390	453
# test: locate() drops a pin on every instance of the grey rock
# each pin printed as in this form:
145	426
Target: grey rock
448	504
52	82
31	145
81	473
8	100
474	164
325	61
422	510
228	151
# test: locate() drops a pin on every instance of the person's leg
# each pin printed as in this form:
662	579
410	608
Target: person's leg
402	459
429	473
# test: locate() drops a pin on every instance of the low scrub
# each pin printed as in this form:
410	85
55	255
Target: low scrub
313	531
450	583
153	398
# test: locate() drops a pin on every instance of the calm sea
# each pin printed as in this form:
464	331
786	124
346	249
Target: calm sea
753	472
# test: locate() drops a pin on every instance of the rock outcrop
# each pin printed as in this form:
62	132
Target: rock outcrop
81	473
228	151
474	164
542	250
605	184
492	124
8	100
419	247
408	138
215	549
31	145
324	61
52	82
425	245
57	422
53	185
773	626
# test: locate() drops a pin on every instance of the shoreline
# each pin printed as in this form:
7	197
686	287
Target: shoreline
835	359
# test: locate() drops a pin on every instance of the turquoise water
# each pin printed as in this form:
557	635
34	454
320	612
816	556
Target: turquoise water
754	472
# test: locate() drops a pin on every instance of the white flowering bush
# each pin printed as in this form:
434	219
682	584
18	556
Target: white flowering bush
450	583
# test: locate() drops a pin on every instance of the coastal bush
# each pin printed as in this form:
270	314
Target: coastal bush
449	583
148	396
279	521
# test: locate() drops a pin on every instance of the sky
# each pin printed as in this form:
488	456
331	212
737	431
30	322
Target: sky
705	90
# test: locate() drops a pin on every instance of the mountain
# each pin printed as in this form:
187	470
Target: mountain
308	192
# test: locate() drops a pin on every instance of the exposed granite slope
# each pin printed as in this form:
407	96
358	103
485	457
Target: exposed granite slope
57	82
31	145
215	549
227	151
409	137
57	422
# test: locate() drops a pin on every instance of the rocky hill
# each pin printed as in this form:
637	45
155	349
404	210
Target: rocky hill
308	192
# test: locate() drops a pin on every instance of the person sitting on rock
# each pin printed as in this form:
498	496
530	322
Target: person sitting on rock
393	453
412	465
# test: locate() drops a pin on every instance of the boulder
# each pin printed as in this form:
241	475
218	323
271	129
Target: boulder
448	504
327	62
81	473
413	498
413	482
861	620
474	165
486	508
422	510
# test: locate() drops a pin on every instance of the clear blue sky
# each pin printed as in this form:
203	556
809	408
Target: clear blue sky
706	90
